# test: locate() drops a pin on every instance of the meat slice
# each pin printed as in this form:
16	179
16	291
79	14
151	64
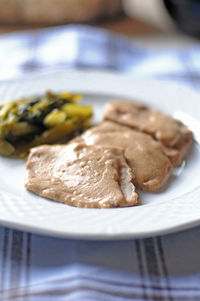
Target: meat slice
174	135
81	175
106	127
109	126
146	157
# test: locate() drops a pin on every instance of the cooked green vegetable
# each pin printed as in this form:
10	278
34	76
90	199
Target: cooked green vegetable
46	119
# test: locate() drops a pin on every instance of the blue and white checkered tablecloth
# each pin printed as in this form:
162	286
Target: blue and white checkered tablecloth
34	267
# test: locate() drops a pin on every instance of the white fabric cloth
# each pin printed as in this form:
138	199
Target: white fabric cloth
42	268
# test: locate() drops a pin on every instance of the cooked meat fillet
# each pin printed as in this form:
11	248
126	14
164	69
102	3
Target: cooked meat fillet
175	136
106	127
146	157
81	175
110	126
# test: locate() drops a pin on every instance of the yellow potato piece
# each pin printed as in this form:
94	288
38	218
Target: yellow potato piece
77	110
54	118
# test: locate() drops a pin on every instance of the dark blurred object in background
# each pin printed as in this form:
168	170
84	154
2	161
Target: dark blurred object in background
168	15
186	14
53	12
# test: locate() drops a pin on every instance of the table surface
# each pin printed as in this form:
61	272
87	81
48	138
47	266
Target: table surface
141	32
124	25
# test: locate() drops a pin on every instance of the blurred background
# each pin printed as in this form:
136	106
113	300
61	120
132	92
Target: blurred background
148	38
132	16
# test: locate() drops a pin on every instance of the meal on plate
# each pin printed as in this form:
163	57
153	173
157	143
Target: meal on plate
38	120
133	147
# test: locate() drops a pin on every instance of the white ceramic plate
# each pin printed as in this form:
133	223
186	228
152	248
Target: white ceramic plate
177	208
